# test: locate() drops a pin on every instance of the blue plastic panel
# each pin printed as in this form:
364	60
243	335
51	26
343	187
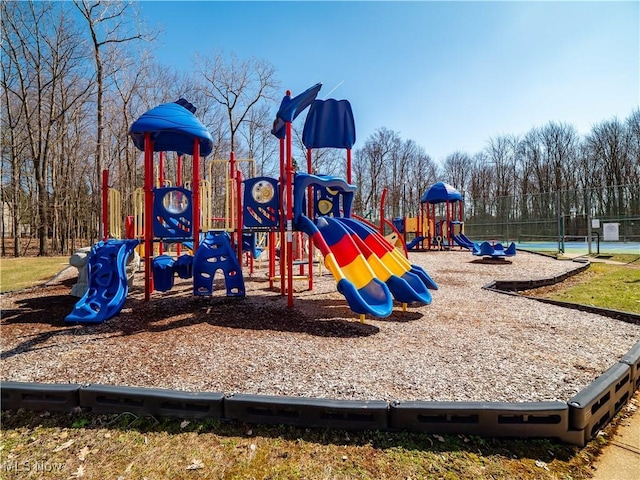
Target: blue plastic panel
329	124
173	128
261	203
172	213
290	108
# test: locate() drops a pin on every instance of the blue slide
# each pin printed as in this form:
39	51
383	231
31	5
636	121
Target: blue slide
405	286
355	280
463	241
108	287
415	242
380	244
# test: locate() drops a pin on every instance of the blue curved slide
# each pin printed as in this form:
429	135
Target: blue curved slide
108	287
380	245
364	292
463	241
405	286
415	242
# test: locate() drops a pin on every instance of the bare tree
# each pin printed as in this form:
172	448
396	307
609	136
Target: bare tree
370	169
110	24
422	173
238	86
456	170
47	55
609	150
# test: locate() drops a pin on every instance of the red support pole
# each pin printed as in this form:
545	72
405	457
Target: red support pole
349	166
449	223
311	215
289	172
232	197
283	214
105	205
161	170
179	184
160	184
239	213
272	257
148	215
195	194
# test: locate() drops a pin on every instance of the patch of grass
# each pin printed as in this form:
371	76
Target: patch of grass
627	258
23	272
126	446
603	285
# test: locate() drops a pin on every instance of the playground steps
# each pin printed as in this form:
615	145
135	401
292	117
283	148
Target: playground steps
213	254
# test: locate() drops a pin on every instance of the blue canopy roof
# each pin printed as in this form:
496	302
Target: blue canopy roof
329	124
173	127
441	192
290	108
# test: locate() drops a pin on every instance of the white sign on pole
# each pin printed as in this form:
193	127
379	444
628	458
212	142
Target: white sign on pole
611	232
595	223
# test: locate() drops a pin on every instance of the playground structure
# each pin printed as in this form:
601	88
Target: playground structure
439	223
369	272
444	229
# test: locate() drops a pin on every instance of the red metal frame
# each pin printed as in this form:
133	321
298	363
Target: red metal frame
310	214
239	213
289	190
105	205
148	215
195	195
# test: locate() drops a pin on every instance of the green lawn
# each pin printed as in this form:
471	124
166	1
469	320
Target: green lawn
18	273
604	285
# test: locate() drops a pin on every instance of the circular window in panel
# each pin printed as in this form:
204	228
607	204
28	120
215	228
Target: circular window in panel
175	202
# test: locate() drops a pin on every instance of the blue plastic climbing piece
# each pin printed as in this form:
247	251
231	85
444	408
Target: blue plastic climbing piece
163	269
108	286
215	253
184	266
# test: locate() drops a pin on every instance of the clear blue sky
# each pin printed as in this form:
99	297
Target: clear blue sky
449	75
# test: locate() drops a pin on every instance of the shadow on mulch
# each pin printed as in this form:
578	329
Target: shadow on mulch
492	261
269	313
42	305
44	314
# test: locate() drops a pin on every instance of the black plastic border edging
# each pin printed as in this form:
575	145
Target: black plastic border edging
39	396
511	287
576	421
308	412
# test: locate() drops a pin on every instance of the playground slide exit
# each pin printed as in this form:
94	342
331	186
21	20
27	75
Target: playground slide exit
108	286
364	292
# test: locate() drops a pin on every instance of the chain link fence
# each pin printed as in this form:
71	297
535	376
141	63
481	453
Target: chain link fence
558	220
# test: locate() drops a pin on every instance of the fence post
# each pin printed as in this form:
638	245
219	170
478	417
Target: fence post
560	223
